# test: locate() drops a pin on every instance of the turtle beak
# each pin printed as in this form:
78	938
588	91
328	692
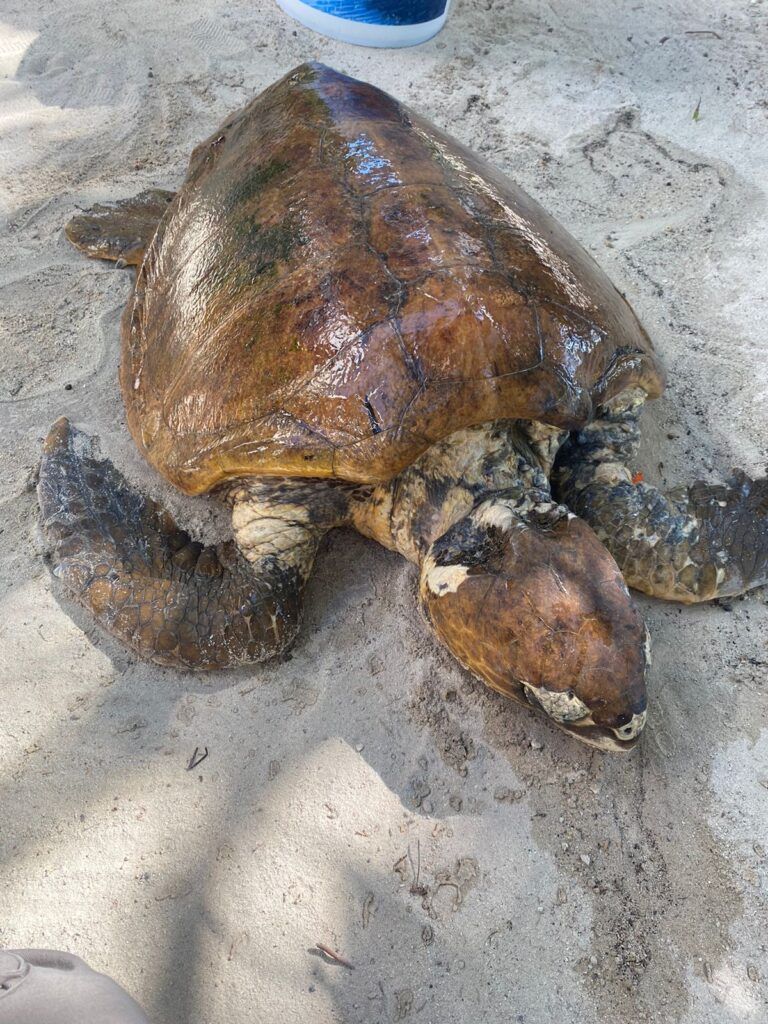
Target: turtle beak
573	716
633	728
621	738
601	740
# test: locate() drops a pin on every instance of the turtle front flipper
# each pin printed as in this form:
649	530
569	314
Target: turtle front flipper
692	544
121	230
172	600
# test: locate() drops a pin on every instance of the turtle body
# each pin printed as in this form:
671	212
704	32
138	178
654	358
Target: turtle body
353	286
345	317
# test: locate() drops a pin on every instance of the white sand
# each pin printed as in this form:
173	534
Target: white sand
554	883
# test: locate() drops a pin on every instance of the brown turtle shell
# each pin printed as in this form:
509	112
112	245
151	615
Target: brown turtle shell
337	285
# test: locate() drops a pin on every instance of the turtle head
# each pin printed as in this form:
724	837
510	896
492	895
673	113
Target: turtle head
530	601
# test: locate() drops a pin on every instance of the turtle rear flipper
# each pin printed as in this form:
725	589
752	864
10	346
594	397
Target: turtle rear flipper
121	230
162	594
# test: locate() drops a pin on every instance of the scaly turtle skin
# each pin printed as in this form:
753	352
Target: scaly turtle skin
345	317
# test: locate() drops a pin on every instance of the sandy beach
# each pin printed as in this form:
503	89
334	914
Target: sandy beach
470	862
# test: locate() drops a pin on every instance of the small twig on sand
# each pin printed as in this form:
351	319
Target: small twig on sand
416	888
197	758
334	956
172	896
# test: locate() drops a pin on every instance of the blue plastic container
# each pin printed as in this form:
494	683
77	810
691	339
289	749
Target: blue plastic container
371	22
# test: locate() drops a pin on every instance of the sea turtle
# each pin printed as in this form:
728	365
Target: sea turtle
344	317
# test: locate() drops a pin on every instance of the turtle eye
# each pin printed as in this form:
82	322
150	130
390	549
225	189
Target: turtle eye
622	719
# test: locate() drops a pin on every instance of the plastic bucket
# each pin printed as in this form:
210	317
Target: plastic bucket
371	22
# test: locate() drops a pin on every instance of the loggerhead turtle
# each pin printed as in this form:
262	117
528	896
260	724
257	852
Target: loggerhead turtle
344	317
